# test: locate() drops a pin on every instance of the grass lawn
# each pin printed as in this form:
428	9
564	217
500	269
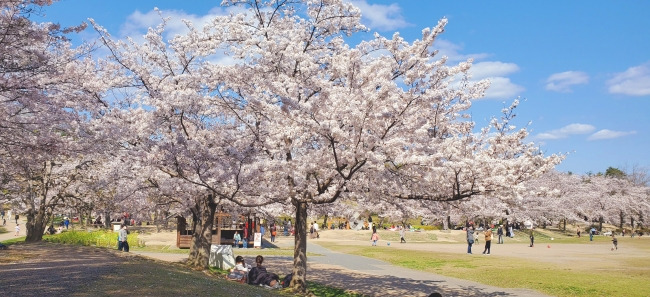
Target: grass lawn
14	240
148	278
628	276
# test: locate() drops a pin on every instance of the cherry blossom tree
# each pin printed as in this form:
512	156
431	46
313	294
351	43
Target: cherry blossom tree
301	119
50	101
338	122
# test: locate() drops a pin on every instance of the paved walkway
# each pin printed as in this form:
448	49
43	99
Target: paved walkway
372	277
11	228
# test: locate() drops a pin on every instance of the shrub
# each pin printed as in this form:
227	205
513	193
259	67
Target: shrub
429	227
94	238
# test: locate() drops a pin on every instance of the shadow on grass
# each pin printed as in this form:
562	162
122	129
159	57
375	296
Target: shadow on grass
375	285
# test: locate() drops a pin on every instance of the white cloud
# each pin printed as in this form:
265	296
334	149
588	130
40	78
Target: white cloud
566	131
451	50
609	134
381	17
562	82
492	69
495	71
635	81
502	87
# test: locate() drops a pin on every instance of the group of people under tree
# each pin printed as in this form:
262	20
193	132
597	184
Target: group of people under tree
257	276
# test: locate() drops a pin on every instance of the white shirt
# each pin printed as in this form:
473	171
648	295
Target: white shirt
316	226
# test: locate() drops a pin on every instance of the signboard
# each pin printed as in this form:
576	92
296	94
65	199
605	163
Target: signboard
257	242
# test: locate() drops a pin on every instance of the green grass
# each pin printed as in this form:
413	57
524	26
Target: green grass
149	278
629	277
14	240
99	238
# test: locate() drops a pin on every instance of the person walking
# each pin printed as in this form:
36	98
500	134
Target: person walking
66	222
2	214
401	234
285	225
615	242
262	230
123	239
17	217
316	230
578	231
500	234
488	241
512	234
592	232
470	238
17	230
532	237
273	230
237	239
374	237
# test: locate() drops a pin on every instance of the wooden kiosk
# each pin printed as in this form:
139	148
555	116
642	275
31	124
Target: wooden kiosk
223	231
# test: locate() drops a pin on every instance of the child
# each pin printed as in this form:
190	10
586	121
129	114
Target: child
17	230
374	238
615	242
240	271
476	237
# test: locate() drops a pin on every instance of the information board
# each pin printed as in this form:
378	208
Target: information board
257	242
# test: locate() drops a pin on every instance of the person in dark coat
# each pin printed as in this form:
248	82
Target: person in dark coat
256	271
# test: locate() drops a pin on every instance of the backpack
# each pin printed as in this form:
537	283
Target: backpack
287	280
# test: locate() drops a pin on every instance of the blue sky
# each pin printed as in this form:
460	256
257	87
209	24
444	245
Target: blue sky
582	68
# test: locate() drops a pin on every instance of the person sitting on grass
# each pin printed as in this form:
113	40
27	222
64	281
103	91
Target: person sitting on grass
257	270
240	271
258	276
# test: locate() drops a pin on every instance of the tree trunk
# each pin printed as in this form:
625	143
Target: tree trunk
325	222
622	216
107	220
600	224
564	225
299	280
36	222
203	220
632	222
